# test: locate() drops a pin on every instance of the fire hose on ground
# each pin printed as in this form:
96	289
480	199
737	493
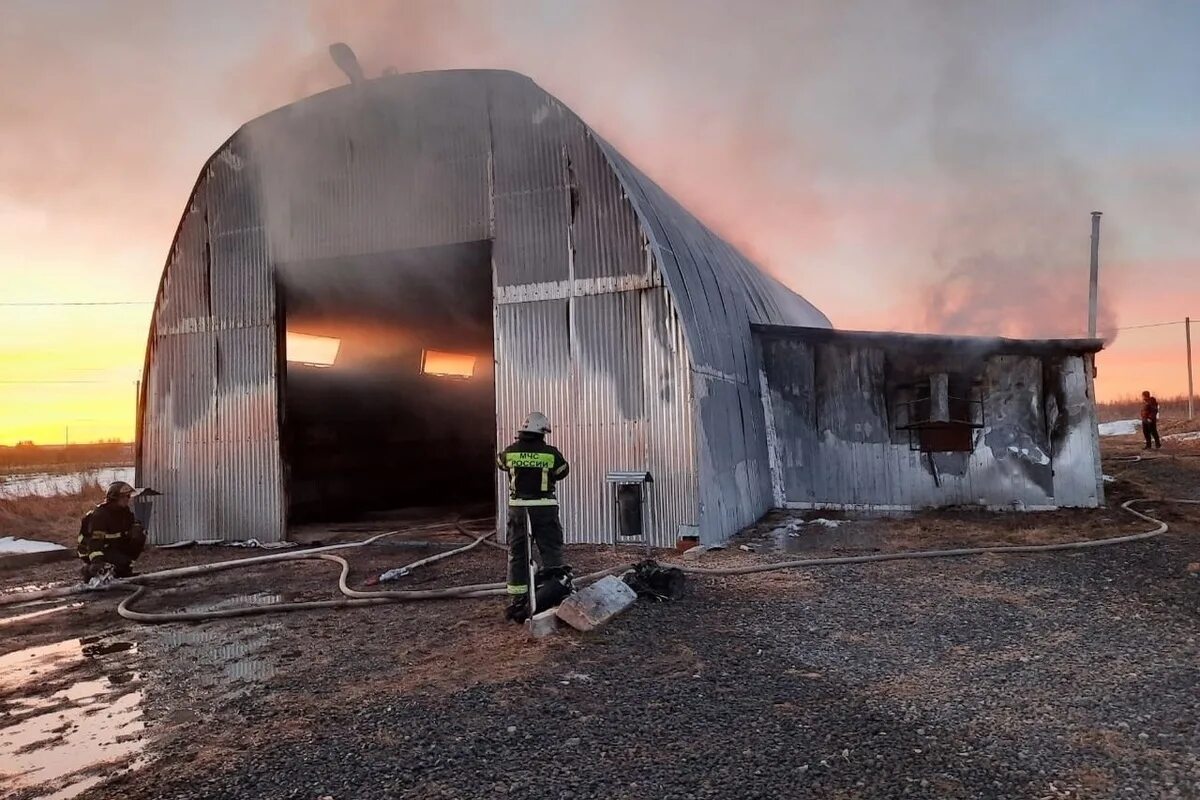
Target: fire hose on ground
1085	544
355	598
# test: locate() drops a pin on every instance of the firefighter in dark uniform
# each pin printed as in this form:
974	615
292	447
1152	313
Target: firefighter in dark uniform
1149	418
110	538
533	468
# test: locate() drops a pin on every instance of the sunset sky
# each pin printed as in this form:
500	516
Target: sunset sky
924	166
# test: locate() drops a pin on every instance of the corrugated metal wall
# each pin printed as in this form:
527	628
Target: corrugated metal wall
396	164
719	294
210	439
617	313
1078	476
617	398
585	329
835	445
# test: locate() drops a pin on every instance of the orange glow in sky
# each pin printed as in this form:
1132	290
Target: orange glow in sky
69	372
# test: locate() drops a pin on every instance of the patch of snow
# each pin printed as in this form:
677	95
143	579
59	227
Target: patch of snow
44	484
1122	427
9	545
793	528
251	543
1109	479
394	574
1191	436
1041	457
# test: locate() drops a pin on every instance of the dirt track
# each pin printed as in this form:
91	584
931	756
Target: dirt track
1030	676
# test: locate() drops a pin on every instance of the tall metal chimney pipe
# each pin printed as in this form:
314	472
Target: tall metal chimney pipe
1093	286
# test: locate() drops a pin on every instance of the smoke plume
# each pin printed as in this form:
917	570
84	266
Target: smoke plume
1012	243
764	123
872	155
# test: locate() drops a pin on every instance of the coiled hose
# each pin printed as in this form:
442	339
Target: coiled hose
355	597
1159	529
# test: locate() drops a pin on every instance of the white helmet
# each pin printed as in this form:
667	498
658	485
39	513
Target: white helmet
536	422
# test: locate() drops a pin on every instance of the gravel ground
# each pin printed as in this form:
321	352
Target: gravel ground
1069	676
1063	676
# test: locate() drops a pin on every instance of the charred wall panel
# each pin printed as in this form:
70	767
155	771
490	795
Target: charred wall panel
837	445
1015	433
1075	439
178	462
390	167
792	403
249	487
210	441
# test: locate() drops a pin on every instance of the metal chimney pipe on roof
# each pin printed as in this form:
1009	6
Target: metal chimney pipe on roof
1093	286
347	62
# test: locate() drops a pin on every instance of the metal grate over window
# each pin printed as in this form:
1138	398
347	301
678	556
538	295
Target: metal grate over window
937	419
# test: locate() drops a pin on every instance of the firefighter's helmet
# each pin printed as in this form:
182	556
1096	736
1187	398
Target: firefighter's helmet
119	489
536	422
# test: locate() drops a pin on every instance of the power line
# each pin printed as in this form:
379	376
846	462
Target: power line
1148	325
1134	327
90	303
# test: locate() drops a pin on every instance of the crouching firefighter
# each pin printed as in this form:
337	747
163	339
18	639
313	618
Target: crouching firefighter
110	538
534	467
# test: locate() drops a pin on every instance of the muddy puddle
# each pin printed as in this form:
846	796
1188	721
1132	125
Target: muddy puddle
79	711
38	613
232	661
70	715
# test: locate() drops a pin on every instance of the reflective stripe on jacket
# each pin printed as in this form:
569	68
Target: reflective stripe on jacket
108	527
533	468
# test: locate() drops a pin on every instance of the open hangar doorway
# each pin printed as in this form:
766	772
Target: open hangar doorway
388	400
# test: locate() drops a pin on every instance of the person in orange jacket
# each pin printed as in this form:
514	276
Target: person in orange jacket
1150	420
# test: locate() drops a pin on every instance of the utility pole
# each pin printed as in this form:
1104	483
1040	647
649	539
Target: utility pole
67	435
1093	285
1187	333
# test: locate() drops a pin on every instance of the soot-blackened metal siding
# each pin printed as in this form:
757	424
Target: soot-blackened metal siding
719	295
209	437
834	441
616	312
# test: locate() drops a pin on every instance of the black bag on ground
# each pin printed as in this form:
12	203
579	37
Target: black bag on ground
653	581
554	585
